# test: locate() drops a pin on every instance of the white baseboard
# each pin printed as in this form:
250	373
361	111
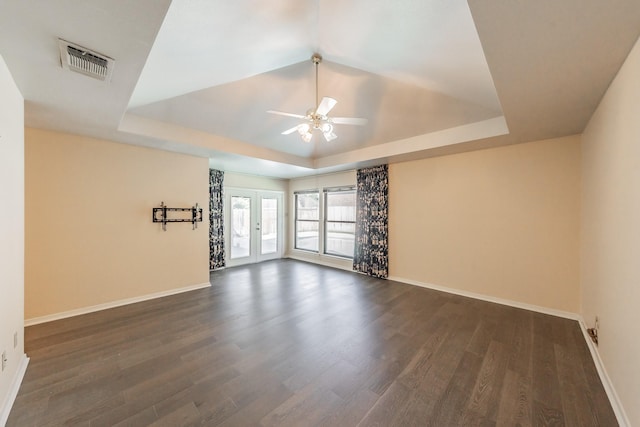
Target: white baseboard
13	390
511	303
618	409
113	304
339	263
602	372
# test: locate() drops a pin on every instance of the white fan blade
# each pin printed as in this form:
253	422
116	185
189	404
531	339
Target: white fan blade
325	106
349	121
297	116
292	130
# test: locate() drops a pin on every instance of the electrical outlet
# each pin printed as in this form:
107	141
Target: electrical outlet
593	332
4	360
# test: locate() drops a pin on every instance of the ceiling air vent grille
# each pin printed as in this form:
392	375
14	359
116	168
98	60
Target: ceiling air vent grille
82	60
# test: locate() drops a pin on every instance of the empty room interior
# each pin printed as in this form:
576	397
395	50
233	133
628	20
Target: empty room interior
325	212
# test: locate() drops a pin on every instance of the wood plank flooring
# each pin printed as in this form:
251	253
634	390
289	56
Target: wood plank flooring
287	343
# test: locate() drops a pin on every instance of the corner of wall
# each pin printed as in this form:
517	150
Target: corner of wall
11	239
610	234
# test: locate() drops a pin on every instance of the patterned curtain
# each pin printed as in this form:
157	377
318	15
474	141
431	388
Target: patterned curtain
216	224
372	213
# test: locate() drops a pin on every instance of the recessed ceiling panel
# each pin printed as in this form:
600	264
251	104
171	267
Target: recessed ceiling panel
238	110
408	67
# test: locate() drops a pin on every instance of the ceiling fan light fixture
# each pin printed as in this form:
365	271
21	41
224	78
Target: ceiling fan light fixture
330	136
306	137
303	128
327	131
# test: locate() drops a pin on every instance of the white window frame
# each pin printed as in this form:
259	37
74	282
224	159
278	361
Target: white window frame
326	221
296	219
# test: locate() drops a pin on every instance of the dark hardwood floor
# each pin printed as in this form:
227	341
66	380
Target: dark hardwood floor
287	343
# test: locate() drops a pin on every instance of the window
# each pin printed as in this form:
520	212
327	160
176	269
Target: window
240	226
307	221
340	221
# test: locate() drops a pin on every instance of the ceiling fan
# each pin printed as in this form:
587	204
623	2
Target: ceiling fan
317	119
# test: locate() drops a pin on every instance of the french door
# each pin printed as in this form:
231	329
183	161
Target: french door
254	226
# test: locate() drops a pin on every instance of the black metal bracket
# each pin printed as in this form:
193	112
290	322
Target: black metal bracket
161	214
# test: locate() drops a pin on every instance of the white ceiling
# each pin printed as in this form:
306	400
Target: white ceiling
432	76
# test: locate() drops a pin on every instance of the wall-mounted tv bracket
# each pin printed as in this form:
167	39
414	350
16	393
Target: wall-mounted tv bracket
161	214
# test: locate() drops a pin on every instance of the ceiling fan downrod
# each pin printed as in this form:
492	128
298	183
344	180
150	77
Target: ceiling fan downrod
317	59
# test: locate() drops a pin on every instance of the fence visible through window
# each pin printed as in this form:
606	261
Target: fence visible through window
307	221
340	222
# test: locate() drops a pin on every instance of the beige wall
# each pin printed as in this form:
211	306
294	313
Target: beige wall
89	235
610	267
11	235
253	182
500	222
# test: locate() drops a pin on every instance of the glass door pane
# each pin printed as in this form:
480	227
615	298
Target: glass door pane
240	227
269	226
254	227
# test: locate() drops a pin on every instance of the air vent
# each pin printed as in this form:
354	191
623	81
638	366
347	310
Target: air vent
84	61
